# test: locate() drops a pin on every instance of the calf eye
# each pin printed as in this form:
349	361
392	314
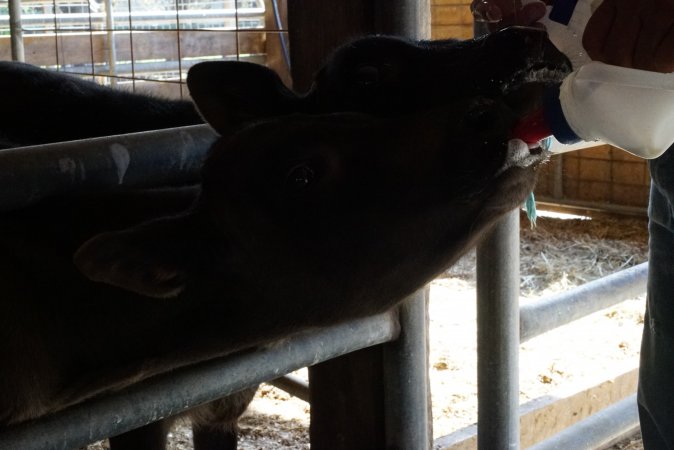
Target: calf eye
299	177
366	75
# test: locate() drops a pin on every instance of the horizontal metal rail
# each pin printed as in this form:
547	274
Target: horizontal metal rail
589	207
173	393
600	429
547	314
293	385
147	159
145	67
544	315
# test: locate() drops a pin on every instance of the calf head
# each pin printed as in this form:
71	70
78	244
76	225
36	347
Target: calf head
336	215
387	76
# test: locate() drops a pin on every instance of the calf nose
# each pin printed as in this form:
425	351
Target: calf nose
534	37
531	43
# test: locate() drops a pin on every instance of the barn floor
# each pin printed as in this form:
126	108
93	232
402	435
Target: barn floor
556	255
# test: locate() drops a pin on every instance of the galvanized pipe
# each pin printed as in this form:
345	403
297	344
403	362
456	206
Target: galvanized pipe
410	18
498	337
15	30
148	66
590	207
170	394
293	385
147	159
498	292
544	315
407	416
599	430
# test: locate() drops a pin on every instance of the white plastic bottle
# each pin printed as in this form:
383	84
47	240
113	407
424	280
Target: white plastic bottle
628	108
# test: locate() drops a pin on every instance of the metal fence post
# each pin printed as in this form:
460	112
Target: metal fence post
112	45
498	337
15	31
402	402
407	405
498	315
407	417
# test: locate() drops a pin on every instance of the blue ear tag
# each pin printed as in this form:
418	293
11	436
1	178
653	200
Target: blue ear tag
530	207
530	203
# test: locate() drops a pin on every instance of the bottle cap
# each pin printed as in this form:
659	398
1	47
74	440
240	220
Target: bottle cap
554	117
546	121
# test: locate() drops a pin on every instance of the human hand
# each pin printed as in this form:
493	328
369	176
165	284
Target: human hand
633	33
503	13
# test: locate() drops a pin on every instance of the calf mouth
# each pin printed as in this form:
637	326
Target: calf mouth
523	155
523	93
543	73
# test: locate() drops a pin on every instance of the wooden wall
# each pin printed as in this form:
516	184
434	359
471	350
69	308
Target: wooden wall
451	19
596	176
161	57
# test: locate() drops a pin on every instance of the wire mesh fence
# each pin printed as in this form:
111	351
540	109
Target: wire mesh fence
147	45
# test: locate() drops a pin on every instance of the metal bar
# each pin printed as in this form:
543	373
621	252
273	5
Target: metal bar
498	337
410	18
112	46
498	291
544	315
408	422
148	401
292	385
152	66
600	429
15	30
592	206
283	38
153	158
407	416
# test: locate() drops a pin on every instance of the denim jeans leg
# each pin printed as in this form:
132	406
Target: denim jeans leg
656	371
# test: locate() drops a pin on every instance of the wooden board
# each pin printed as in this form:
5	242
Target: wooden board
545	417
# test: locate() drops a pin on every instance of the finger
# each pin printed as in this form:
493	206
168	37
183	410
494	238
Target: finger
651	37
510	9
664	55
532	12
598	28
621	40
527	16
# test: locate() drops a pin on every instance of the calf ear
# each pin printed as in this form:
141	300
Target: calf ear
147	260
231	94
